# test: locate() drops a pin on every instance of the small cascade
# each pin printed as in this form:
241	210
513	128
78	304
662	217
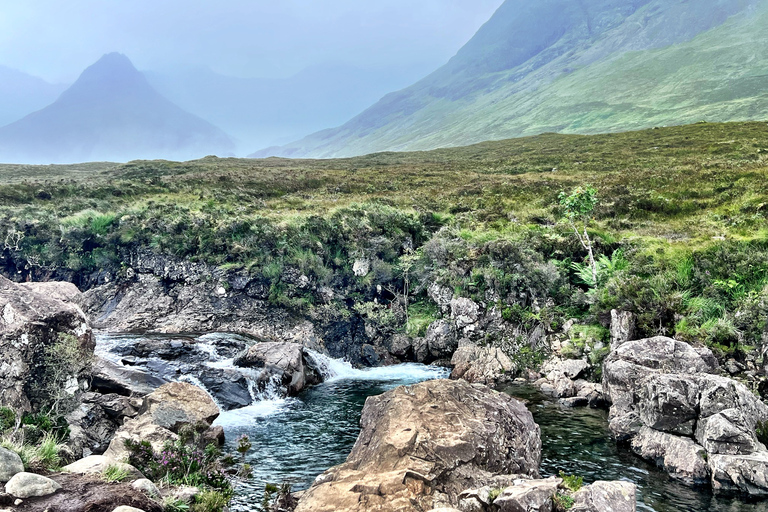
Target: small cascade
337	369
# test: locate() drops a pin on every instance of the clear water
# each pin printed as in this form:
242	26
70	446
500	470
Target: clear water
577	441
296	439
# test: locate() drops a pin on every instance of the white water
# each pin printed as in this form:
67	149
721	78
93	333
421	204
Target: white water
337	369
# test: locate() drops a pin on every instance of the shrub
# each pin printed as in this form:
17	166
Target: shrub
62	363
210	501
572	482
7	419
563	501
115	473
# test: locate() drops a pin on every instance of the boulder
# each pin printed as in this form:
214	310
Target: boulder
229	387
681	457
97	464
31	320
57	290
740	474
94	422
485	365
464	312
177	404
606	497
29	485
281	361
420	446
109	377
147	487
137	430
441	340
442	296
663	388
528	495
10	464
126	508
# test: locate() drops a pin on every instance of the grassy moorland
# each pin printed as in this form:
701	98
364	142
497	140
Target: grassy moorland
680	228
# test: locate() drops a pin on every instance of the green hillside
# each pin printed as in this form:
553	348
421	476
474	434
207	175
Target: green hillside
611	66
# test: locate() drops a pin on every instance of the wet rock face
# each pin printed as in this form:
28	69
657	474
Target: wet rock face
424	444
33	317
667	401
284	363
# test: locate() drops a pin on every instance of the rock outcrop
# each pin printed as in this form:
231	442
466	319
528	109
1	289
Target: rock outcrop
700	427
163	414
484	365
283	364
31	319
421	446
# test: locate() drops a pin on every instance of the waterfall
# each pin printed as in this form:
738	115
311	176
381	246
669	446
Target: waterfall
337	369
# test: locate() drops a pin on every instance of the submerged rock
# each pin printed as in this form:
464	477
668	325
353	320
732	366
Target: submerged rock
681	457
420	446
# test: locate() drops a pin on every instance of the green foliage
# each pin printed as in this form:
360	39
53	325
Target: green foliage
7	419
171	504
62	364
761	430
210	501
563	501
572	482
579	204
44	455
495	493
420	317
114	473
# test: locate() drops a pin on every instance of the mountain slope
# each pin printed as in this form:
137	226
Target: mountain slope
21	94
110	113
573	66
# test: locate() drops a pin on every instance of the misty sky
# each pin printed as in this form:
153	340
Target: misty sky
56	40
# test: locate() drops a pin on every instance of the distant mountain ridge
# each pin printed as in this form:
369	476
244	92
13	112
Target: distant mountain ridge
21	94
110	113
581	66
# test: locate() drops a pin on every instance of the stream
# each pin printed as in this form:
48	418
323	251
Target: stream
296	439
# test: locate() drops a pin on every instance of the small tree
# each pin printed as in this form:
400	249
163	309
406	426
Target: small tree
578	207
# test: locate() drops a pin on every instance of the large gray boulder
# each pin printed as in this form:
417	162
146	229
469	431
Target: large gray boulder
29	485
420	446
528	495
441	340
679	456
10	464
676	412
31	319
281	363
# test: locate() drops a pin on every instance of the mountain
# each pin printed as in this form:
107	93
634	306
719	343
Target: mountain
570	66
21	94
110	113
264	111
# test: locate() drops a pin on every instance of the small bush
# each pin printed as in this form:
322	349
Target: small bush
563	501
210	501
171	504
7	419
114	473
495	493
572	482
